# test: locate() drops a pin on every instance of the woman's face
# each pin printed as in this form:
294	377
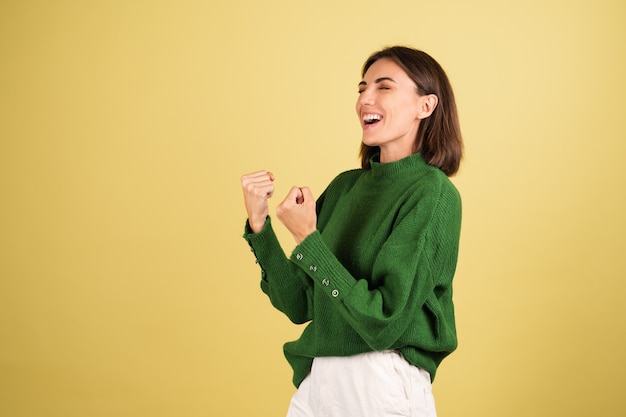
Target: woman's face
389	110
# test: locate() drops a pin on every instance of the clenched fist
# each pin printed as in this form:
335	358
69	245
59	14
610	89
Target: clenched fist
297	212
258	187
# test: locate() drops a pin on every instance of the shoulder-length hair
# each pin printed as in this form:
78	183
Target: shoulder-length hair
439	135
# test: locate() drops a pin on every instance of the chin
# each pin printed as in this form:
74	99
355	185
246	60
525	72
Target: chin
370	142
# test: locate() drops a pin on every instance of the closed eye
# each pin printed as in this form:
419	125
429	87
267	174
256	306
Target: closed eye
379	81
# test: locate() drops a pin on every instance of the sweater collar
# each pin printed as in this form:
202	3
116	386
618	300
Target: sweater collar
399	167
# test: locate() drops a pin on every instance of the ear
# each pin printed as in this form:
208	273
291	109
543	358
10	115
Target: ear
427	105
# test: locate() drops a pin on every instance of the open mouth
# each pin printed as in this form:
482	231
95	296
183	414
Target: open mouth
370	119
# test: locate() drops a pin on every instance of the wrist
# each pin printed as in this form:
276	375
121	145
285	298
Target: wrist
301	236
256	225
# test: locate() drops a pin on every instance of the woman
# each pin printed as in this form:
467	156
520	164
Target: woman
372	271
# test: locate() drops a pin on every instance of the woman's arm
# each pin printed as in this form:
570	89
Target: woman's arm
413	269
288	288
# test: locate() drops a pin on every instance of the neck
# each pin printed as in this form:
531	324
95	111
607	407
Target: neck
395	154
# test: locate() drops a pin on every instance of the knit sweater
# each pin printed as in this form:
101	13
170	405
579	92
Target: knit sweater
377	273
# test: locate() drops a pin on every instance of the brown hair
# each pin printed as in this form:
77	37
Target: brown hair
439	135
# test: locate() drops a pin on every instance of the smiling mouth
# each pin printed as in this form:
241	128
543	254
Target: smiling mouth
370	119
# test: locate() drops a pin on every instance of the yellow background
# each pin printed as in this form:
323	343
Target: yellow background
125	286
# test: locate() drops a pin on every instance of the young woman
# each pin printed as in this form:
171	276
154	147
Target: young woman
372	271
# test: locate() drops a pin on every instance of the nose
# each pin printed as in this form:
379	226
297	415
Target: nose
366	97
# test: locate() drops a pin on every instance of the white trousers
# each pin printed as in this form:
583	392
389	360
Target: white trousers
374	384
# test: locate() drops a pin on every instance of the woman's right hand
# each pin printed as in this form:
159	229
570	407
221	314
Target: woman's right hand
258	187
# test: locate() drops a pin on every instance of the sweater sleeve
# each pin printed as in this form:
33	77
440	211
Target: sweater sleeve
413	271
288	288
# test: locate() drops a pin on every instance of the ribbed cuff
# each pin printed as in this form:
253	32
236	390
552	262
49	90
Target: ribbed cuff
314	257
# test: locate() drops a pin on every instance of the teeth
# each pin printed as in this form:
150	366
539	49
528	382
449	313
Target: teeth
371	117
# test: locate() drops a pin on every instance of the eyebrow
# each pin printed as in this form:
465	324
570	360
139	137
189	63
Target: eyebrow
379	80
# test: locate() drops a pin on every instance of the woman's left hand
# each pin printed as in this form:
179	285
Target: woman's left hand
297	213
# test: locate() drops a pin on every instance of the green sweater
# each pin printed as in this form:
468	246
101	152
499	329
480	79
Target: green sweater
377	273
